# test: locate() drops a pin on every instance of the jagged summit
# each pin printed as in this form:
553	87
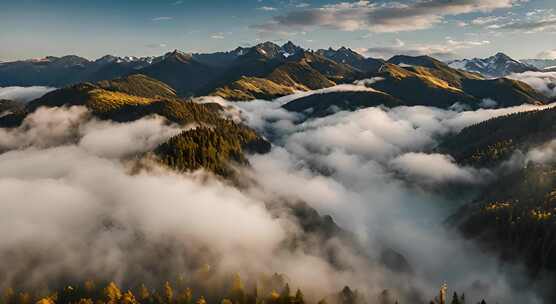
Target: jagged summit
291	49
343	53
350	57
107	59
272	50
502	56
178	55
268	49
111	59
498	65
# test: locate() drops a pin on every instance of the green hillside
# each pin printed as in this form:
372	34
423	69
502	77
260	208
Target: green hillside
513	215
213	145
422	80
516	217
139	85
212	148
319	105
492	141
249	88
181	71
267	78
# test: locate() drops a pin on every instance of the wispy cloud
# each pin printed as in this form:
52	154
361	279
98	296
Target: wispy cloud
217	36
543	82
548	54
540	20
266	8
444	51
530	26
23	94
389	17
487	20
162	18
462	23
156	45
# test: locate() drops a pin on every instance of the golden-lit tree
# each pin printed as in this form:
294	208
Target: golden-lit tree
87	301
168	293
285	294
112	293
89	286
8	296
185	296
24	298
237	291
128	298
144	293
201	300
46	300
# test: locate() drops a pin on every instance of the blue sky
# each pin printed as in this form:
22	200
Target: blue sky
443	28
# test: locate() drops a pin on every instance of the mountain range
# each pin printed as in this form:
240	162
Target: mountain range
422	80
267	71
499	65
541	64
61	71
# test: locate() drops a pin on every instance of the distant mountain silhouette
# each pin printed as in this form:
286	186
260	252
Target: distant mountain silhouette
499	65
268	70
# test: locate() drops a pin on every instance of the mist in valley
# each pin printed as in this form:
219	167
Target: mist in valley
83	198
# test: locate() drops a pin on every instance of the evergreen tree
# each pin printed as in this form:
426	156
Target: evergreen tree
8	295
201	300
89	287
455	298
385	297
285	294
237	291
168	293
299	297
24	298
112	293
274	297
144	293
86	301
128	298
46	300
186	296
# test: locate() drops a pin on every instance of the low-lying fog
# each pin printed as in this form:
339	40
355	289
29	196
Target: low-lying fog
75	204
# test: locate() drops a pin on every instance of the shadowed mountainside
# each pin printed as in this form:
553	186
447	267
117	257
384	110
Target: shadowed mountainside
319	105
514	215
490	142
137	96
406	80
268	71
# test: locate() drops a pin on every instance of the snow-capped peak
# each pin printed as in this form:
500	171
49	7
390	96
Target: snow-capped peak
499	65
125	59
